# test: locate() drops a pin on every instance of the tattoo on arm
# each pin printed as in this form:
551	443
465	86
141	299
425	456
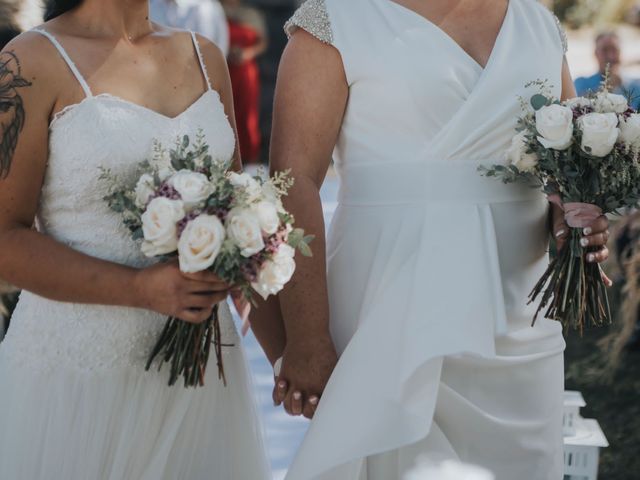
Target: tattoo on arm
12	115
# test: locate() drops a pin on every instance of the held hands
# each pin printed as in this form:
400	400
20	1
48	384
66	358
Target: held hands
188	296
595	235
304	373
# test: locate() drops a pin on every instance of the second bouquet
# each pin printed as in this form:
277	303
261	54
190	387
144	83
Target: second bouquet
584	154
184	204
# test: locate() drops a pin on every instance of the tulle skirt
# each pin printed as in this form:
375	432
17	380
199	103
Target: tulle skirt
126	423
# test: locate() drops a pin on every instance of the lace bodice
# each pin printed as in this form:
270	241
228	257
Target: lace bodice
102	131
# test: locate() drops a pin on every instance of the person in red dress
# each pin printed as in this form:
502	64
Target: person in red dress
248	41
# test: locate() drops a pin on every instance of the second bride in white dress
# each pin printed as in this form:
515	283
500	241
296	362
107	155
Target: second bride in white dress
429	264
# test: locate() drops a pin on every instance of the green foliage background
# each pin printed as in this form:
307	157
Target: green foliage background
578	13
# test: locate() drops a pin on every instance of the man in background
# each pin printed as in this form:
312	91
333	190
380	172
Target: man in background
608	56
205	17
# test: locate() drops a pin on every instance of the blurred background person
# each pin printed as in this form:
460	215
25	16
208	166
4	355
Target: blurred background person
8	21
248	40
205	17
608	54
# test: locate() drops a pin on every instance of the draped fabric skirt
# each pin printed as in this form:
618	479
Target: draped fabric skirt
429	271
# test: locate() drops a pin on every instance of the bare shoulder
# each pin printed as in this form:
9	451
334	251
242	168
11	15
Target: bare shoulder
214	60
304	53
30	60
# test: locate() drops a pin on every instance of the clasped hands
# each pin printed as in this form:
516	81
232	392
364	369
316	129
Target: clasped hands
304	371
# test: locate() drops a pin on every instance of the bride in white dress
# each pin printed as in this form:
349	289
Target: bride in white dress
75	400
429	264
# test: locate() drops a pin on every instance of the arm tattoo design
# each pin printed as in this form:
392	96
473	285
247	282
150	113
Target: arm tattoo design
12	115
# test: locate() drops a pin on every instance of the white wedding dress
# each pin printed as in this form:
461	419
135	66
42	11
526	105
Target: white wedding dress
75	400
429	263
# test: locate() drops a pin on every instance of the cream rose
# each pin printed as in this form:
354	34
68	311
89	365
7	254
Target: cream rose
248	183
159	226
145	187
630	130
606	102
275	273
243	228
555	126
193	187
517	154
200	243
599	133
267	215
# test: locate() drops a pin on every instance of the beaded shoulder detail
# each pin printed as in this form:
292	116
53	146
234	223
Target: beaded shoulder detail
312	16
563	34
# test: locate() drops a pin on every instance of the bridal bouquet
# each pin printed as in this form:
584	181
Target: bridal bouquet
186	205
584	154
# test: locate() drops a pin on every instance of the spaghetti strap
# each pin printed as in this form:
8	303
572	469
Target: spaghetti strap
68	61
203	67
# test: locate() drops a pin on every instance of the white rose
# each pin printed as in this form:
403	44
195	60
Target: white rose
606	102
194	188
275	273
578	102
244	230
200	243
599	133
555	126
630	130
267	215
517	154
145	187
248	183
159	226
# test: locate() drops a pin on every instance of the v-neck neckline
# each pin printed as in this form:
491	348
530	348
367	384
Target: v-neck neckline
449	38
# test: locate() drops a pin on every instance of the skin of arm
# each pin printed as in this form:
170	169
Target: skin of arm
311	98
39	263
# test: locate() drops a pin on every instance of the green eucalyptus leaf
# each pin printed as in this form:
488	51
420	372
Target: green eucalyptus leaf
538	101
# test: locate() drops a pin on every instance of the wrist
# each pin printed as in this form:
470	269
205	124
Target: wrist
134	289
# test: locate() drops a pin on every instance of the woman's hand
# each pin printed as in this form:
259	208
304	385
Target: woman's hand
191	297
595	236
305	370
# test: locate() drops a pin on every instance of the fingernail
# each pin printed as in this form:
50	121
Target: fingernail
587	231
584	242
559	233
282	385
297	395
313	400
591	257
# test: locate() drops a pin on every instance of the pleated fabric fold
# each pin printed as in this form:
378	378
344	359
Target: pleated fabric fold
432	288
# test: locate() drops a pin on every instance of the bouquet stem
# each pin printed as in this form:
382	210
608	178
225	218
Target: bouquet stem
186	347
572	290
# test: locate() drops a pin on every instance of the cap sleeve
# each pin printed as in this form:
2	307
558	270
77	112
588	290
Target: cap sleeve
562	33
312	17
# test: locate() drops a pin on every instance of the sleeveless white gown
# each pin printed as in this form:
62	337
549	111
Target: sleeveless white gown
430	264
75	400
